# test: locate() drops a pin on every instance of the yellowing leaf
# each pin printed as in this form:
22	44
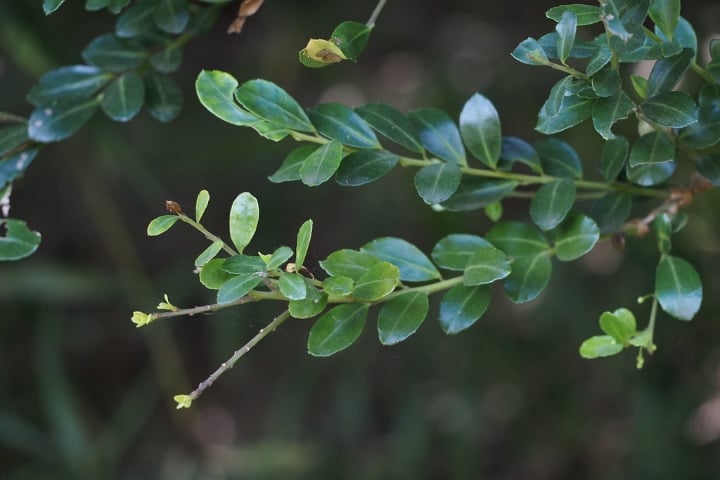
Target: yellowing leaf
323	51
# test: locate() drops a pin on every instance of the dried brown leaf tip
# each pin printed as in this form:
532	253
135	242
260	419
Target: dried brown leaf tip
173	207
247	8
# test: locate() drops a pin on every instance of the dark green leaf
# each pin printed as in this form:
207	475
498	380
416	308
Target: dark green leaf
167	60
678	288
212	276
49	6
606	82
209	253
663	231
314	302
665	15
640	84
575	237
161	224
599	59
609	110
124	97
237	287
340	123
163	97
613	158
485	266
379	281
365	166
12	137
462	306
116	6
68	83
649	174
321	164
610	15
558	158
171	16
268	101
243	265
552	202
580	49
667	71
92	5
114	54
19	241
454	251
292	285
351	38
278	258
474	193
530	52
480	129
413	264
573	111
518	150
401	316
338	285
215	89
585	14
600	346
619	324
709	167
348	263
289	171
566	29
136	20
337	329
671	109
529	277
517	238
655	147
611	210
244	216
57	121
706	132
438	134
437	182
392	124
14	165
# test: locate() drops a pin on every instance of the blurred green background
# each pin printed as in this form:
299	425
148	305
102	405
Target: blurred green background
85	395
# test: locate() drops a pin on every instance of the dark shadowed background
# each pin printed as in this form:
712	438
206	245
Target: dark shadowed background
86	395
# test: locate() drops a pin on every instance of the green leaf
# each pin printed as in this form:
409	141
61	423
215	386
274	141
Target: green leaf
209	253
303	242
289	171
136	20
585	14
19	241
338	286
401	316
337	329
678	288
600	346
73	82
640	84
518	150
665	15
171	16
655	147
517	238
671	109
413	264
365	166
168	59
611	210
244	265
530	52
709	167
667	72
15	164
348	263
391	124
574	237
124	97
379	281
573	111
612	20
529	276
600	58
116	6
161	224
437	182
566	29
292	285
92	5
278	258
619	324
454	251
114	54
438	134
663	231
485	266
244	216
351	38
12	137
338	122
314	302
552	202
558	158
607	111
480	129
606	83
215	90
613	157
649	174
201	203
474	193
268	101
321	164
493	211
462	306
58	121
237	287
49	6
706	132
212	275
163	97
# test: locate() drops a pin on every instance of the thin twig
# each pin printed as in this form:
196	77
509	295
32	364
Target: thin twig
378	8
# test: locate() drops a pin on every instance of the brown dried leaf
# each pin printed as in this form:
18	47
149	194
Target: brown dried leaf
247	8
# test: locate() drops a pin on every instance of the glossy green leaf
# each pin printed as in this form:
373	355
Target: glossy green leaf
337	329
562	88
338	285
289	171
73	82
706	132
244	216
516	150
321	164
136	20
124	97
573	111
667	72
237	287
392	124
655	147
517	238
480	129
18	241
678	288
201	203
600	346
365	166
665	15
619	324
351	38
575	237
58	121
437	182
268	101
438	134
14	165
161	224
485	266
709	167
671	109
663	231
401	316
607	111
640	85
171	16
303	242
209	253
414	265
558	158
340	123
475	192
462	306
12	137
49	6
566	29
649	174
167	60
163	97
212	275
454	251
606	82
611	211
114	54
530	52
683	37
348	263
379	281
243	265
292	285
528	278
580	49
599	59
215	90
552	202
278	258
584	14
613	157
314	302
